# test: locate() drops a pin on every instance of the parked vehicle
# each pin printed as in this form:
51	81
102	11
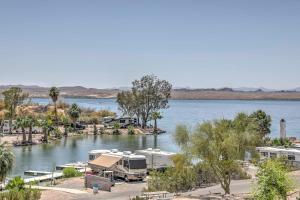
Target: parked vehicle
78	126
123	164
124	122
157	159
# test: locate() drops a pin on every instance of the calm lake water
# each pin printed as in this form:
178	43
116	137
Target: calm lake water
191	112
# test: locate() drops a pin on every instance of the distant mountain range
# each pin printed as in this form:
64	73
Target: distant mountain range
243	93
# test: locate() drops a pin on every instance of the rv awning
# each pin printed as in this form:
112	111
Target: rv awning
105	161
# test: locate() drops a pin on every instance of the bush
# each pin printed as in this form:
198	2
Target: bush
26	194
131	130
70	172
16	183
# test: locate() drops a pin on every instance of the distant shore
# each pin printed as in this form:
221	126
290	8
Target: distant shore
177	94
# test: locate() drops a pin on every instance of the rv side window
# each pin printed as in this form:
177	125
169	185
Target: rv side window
291	157
122	121
92	157
126	164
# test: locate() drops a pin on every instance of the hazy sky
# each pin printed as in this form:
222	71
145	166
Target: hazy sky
109	43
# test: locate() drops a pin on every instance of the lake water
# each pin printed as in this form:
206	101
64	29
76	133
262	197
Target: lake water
191	112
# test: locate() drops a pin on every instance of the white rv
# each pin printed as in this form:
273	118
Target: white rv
292	155
123	164
157	159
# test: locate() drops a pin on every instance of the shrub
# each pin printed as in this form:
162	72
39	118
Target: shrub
26	194
71	172
131	130
16	183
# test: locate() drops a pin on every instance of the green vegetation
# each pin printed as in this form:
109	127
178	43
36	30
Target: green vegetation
54	94
221	143
74	113
277	142
27	194
147	95
155	116
273	181
16	183
13	97
181	177
70	172
130	130
16	191
6	161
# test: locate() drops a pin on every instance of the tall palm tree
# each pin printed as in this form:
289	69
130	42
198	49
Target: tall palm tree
54	94
46	125
31	123
6	161
155	116
22	123
74	113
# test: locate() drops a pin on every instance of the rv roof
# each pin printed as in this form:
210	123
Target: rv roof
155	151
283	150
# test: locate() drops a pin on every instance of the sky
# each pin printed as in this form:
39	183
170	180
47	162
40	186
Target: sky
105	44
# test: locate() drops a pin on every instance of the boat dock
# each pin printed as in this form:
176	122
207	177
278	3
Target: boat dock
36	173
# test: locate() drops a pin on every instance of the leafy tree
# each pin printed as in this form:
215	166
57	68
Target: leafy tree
273	181
155	116
262	122
147	95
74	113
219	144
179	178
12	98
126	103
54	94
6	161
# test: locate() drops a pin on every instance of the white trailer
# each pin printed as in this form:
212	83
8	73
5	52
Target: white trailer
157	159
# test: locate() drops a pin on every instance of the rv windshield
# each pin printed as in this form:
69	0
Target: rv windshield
138	164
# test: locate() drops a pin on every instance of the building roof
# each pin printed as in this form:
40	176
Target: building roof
105	160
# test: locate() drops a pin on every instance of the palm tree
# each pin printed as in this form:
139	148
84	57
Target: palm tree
155	116
6	161
74	113
46	125
54	94
22	123
31	123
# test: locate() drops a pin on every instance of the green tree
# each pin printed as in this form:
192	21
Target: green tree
22	123
218	144
47	125
54	94
31	122
273	182
12	98
147	95
16	183
6	161
74	113
155	116
262	122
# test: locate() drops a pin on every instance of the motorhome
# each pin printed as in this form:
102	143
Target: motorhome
123	164
157	159
292	155
124	122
